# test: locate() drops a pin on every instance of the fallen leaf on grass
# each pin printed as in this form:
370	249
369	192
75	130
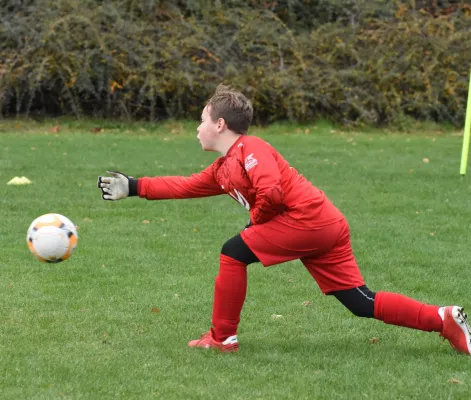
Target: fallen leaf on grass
374	340
96	130
307	303
426	160
277	316
455	381
54	129
146	221
155	310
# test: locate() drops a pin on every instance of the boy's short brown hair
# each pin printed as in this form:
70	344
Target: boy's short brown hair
233	107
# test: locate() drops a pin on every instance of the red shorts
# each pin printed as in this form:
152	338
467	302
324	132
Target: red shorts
326	252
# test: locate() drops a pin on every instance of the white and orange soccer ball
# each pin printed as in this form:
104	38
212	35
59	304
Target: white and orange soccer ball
52	238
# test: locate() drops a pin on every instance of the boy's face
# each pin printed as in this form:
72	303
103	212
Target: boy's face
208	132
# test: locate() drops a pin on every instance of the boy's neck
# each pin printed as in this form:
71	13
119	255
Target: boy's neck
227	140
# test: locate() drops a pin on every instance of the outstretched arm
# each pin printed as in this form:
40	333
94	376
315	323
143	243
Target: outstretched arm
120	186
202	184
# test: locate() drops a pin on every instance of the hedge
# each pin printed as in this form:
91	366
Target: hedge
358	61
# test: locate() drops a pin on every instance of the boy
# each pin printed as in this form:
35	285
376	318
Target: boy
289	219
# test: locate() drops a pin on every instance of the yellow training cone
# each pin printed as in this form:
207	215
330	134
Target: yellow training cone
19	181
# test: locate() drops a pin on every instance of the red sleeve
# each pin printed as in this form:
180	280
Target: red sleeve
264	173
179	187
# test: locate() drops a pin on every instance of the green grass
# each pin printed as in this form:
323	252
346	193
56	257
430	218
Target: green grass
85	329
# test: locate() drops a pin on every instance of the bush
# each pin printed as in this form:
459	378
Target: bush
352	61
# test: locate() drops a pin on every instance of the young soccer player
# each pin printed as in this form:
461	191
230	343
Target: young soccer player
289	219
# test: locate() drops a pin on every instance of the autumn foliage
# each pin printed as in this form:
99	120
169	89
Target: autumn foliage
354	61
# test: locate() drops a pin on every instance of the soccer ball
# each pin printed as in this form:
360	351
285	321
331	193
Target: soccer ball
52	238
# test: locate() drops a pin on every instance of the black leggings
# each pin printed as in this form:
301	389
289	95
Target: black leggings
359	300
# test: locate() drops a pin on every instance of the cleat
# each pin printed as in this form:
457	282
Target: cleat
456	329
207	342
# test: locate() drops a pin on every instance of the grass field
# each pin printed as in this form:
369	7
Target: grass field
113	321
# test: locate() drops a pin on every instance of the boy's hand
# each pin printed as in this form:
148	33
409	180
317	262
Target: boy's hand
114	187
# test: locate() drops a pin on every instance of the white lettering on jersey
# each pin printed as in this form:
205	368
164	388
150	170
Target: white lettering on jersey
250	162
241	199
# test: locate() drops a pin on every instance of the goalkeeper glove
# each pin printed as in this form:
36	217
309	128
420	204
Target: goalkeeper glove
117	186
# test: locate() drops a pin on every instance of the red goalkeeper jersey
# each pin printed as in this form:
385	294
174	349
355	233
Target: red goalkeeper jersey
254	174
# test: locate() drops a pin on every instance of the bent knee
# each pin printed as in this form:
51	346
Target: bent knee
238	250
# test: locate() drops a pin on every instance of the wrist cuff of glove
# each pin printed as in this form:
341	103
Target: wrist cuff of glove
132	187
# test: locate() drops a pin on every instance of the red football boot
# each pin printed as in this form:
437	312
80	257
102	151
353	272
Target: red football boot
207	342
456	328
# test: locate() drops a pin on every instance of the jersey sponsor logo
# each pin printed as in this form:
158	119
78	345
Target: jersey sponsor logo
240	198
250	162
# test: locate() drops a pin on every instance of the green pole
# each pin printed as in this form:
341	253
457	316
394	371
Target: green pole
467	129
